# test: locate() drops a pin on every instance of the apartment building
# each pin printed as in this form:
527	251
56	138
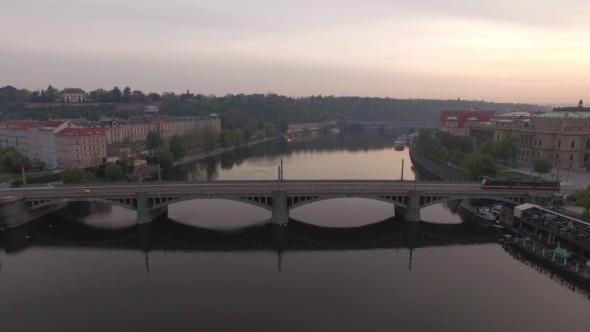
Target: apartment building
80	147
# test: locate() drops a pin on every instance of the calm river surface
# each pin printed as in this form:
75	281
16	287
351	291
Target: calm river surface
340	265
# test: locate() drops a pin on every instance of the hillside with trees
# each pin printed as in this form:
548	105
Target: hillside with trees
236	110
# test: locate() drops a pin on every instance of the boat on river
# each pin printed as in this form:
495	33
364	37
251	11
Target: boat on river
401	142
487	213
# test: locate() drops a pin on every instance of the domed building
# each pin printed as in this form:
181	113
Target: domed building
454	122
150	111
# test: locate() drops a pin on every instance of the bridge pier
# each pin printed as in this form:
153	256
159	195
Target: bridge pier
412	213
144	214
280	211
538	198
14	212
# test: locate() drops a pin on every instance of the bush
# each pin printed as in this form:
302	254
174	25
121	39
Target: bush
113	172
166	159
73	175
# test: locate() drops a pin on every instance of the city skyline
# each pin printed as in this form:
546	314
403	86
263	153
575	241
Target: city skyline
518	51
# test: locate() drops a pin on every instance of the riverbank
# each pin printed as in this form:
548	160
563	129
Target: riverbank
435	169
198	156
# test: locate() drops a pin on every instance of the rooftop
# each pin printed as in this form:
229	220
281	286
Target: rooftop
567	112
72	90
81	132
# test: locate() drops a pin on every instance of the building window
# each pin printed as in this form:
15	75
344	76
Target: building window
571	157
535	142
559	143
538	153
573	144
527	153
557	156
540	142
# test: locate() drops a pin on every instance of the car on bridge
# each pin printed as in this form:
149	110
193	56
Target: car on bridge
82	191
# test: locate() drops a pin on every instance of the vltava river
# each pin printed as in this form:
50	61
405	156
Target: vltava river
340	265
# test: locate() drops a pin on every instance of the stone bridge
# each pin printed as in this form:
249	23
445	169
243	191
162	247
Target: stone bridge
407	197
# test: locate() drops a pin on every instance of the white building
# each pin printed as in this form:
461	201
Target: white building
72	95
17	136
47	139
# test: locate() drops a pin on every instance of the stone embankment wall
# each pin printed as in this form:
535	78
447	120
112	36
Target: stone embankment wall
13	212
435	168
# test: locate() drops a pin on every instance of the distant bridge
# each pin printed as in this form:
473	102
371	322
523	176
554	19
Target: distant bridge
401	124
408	197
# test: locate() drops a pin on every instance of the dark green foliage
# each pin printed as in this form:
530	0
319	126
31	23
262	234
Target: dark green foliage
73	175
57	111
154	141
11	157
269	129
272	107
542	166
237	137
47	178
478	164
283	125
165	158
177	147
40	165
127	95
113	172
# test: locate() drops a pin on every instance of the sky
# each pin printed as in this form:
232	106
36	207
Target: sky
515	51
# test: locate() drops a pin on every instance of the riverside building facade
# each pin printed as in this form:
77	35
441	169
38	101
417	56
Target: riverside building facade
137	128
81	147
561	136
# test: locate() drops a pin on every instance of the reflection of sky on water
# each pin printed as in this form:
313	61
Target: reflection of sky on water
440	214
216	213
343	212
117	218
376	164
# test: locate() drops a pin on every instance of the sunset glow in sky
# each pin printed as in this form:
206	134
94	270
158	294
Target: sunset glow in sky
517	50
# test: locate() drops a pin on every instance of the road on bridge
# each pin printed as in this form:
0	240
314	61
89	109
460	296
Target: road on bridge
290	186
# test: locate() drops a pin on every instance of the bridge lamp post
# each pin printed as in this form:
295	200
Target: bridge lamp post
402	169
22	168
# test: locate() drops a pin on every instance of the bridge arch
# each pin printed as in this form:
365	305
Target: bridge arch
292	203
264	201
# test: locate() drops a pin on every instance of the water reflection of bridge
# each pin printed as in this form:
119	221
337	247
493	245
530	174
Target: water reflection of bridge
165	234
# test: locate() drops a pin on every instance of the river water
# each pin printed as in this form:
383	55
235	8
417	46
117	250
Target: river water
340	265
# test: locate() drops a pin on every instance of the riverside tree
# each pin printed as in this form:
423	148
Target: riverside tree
582	197
165	158
113	172
154	141
177	147
269	129
478	164
542	166
73	175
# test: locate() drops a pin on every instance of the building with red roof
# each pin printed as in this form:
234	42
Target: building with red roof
16	134
81	147
454	122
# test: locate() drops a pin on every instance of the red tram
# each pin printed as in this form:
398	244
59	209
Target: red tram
520	184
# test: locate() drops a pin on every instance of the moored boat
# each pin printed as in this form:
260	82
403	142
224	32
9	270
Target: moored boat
485	213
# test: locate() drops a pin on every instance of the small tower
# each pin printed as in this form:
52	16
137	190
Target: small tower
581	103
